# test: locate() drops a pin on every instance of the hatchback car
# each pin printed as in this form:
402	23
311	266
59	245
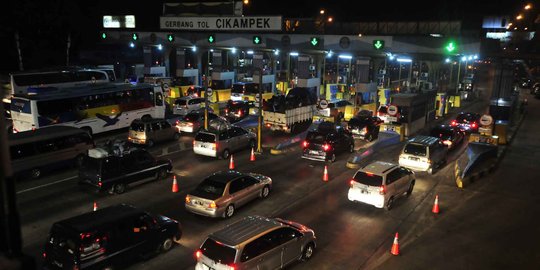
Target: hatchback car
364	127
221	143
467	121
380	183
222	192
150	131
327	140
256	242
193	122
450	136
185	105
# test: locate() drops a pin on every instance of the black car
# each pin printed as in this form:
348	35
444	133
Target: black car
114	169
364	127
108	238
324	142
467	121
237	109
450	136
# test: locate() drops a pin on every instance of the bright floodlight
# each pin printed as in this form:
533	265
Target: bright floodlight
470	57
276	52
194	48
464	58
345	56
159	47
211	50
404	60
475	56
132	45
329	54
233	50
293	54
250	52
447	60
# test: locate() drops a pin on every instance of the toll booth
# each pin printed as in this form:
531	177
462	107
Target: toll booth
415	110
335	91
502	109
312	83
383	96
441	104
268	86
185	78
221	85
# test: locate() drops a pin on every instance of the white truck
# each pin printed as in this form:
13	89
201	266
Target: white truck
297	107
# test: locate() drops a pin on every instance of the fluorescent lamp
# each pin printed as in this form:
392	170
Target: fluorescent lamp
404	60
345	56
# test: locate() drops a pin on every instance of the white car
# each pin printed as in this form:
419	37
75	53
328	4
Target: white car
380	183
185	105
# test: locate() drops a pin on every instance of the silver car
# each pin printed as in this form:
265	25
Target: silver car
222	192
221	143
256	242
185	105
193	122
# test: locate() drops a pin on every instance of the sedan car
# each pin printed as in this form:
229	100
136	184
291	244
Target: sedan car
222	192
450	136
194	121
467	120
364	127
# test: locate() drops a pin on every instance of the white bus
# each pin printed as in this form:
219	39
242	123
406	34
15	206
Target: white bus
33	82
94	108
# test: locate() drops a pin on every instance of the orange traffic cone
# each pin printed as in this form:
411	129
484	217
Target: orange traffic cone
174	185
395	246
95	206
325	174
231	163
252	156
435	209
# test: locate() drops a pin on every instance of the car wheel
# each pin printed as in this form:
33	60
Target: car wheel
308	252
265	192
390	203
225	154
332	158
351	148
35	173
162	174
229	211
411	187
146	117
150	143
119	188
176	136
167	245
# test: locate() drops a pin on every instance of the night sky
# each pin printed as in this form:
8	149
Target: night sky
43	26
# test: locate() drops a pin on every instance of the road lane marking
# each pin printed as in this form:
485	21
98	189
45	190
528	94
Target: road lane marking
46	185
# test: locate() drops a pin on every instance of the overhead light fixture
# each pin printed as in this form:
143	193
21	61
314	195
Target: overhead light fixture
345	56
293	53
404	60
233	50
194	48
276	52
132	45
250	52
159	47
435	35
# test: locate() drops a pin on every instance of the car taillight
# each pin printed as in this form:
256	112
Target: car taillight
214	146
305	144
326	147
193	142
188	199
351	183
226	110
212	205
473	125
447	142
453	123
75	267
382	190
44	255
239	112
232	266
198	254
177	122
190	124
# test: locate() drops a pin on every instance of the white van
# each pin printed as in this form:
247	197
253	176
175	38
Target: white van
423	153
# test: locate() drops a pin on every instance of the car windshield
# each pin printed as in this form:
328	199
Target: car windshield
137	126
205	137
415	149
181	102
218	252
442	133
368	179
210	186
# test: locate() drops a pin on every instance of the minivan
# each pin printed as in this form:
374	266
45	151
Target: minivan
380	183
256	242
221	143
185	105
423	153
108	238
152	130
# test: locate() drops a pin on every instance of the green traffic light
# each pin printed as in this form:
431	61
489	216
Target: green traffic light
314	41
211	39
103	35
170	38
135	36
450	47
256	40
378	44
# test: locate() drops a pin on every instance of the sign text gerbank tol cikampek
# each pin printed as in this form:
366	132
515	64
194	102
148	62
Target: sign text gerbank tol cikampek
254	23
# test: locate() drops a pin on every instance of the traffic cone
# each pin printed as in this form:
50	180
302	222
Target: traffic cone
435	209
95	206
174	185
395	246
252	157
231	163
325	174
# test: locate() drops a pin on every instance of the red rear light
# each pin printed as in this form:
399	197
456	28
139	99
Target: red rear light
193	142
177	122
351	182
232	266
326	147
44	255
198	254
305	144
240	112
473	125
382	190
453	123
226	110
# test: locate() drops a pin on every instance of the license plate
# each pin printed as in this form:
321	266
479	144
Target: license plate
364	191
414	158
313	152
206	267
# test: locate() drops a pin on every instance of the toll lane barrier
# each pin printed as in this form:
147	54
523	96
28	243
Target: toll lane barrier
385	139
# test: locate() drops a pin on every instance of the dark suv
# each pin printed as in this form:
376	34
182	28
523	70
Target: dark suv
467	121
115	170
364	127
325	141
237	109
